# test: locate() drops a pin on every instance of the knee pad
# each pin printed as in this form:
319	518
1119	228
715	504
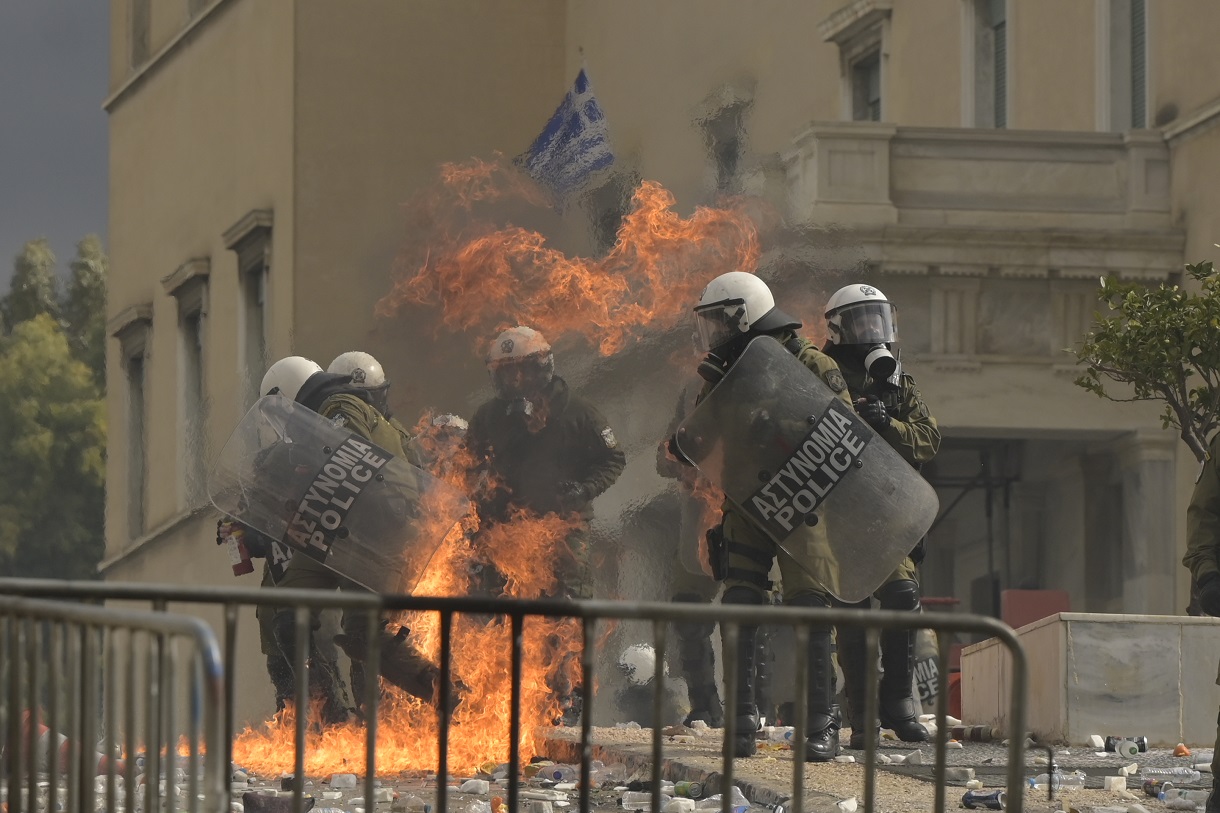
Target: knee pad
741	594
900	594
692	630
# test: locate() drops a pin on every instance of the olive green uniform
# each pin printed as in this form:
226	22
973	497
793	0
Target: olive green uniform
1203	546
914	434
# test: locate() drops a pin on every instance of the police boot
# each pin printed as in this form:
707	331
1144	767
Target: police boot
853	660
897	704
1213	799
699	668
745	712
323	673
764	668
823	720
280	672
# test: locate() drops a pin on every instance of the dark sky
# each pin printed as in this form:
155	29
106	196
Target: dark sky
52	128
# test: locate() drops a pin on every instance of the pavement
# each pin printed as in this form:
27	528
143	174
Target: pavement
766	779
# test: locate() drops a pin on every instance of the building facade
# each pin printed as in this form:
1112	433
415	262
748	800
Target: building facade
982	161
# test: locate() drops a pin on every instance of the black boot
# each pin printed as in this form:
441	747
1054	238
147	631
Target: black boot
764	666
822	740
853	660
745	739
698	666
1213	800
823	720
897	705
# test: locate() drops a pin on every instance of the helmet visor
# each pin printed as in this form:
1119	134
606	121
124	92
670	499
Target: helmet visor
721	322
868	323
522	378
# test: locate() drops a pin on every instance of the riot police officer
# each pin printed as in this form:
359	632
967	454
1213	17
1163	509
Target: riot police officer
352	405
862	331
734	309
1203	560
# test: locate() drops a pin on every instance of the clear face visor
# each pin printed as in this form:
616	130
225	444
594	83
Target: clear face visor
522	378
867	323
720	323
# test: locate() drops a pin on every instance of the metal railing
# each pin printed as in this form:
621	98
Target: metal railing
101	700
593	616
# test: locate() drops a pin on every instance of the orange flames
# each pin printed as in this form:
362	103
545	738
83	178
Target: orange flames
481	276
485	276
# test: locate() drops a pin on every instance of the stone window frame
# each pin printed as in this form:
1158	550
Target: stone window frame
132	327
250	239
188	284
861	30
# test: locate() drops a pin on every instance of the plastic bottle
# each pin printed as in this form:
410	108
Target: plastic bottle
1057	781
1179	772
641	800
778	733
560	773
1191	794
738	802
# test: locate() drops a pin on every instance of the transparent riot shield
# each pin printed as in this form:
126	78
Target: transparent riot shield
811	474
332	495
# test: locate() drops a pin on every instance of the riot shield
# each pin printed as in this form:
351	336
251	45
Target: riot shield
808	471
332	495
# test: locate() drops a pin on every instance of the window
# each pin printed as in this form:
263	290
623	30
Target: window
1123	65
188	284
861	30
140	11
131	327
988	75
866	88
250	238
1139	64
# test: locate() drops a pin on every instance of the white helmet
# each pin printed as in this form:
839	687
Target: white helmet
287	376
365	370
520	362
736	304
860	314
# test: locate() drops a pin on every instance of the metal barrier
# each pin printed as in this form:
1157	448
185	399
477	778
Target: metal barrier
591	614
82	665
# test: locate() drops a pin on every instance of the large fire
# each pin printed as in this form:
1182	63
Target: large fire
480	276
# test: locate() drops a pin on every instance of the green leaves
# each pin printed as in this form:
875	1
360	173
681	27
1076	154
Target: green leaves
1164	343
52	416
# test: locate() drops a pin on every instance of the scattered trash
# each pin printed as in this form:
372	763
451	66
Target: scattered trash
266	803
1114	783
1181	750
1111	743
343	780
641	800
974	784
1128	770
1096	741
1127	749
679	805
1177	772
476	786
848	805
1057	781
631	726
688	790
914	758
845	758
953	744
958	774
990	800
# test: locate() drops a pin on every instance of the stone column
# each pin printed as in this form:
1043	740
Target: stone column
1149	553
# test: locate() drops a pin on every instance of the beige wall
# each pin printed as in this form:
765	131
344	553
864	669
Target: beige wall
1051	47
924	83
371	132
1184	36
204	137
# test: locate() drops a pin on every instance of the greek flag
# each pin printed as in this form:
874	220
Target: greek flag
573	146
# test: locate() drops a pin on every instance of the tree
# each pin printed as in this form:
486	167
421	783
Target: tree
84	306
52	444
1161	343
33	288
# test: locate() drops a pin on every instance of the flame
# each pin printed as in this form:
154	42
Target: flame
481	275
485	277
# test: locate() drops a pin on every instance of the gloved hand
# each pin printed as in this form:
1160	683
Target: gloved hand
873	410
1209	594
